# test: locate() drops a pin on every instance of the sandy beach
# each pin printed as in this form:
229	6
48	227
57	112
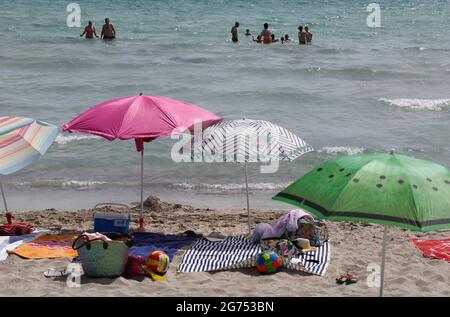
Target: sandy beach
354	246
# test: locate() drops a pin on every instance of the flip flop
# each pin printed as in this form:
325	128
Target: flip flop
342	279
55	273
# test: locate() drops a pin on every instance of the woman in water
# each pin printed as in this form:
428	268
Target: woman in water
108	31
89	30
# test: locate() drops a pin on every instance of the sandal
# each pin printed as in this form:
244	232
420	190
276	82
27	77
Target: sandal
347	279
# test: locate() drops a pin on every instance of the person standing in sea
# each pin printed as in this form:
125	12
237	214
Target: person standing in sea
108	31
266	35
301	35
234	33
308	36
89	30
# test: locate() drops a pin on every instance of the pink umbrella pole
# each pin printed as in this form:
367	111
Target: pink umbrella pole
141	216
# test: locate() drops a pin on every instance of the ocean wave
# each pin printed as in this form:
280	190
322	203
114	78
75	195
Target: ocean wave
228	187
417	104
349	150
65	139
81	184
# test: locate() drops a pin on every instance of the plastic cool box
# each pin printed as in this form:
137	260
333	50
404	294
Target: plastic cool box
111	221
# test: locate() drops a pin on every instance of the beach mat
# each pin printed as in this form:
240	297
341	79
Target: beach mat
239	252
147	242
9	243
436	249
47	246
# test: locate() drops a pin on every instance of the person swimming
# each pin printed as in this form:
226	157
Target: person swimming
108	31
301	35
308	36
266	35
234	33
282	40
89	30
286	38
247	32
274	40
258	39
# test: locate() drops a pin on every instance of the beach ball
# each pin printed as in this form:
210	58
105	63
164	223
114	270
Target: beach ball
268	262
158	262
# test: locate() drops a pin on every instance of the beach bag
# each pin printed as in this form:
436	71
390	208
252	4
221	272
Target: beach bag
283	247
103	259
315	231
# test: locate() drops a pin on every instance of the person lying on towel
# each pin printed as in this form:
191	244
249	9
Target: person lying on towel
276	229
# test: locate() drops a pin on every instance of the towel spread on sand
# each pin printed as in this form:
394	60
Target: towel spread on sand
239	252
48	246
8	243
147	242
436	249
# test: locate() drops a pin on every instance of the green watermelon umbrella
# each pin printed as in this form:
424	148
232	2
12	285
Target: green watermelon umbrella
388	189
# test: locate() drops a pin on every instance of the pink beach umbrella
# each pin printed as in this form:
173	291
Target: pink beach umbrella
142	118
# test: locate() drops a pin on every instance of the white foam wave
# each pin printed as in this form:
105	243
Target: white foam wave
417	104
341	150
229	187
64	139
81	184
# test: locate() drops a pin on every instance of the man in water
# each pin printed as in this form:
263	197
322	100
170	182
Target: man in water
301	35
282	40
108	31
286	38
308	36
247	32
234	33
266	35
274	40
89	30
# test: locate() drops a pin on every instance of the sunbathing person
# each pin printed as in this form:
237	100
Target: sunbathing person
89	30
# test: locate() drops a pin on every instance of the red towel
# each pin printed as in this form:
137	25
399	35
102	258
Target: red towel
15	229
436	249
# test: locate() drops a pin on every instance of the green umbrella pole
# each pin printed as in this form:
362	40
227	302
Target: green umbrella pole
4	198
383	260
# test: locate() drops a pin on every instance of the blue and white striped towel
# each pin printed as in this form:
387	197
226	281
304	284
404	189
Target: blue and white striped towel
239	252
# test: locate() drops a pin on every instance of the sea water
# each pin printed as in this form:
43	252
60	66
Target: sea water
356	89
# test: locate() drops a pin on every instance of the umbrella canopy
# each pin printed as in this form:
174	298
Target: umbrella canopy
251	141
22	141
142	118
388	189
244	141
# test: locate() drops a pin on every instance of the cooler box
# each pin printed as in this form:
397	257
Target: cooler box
111	221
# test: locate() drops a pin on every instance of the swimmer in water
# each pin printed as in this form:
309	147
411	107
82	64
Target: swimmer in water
266	35
282	40
308	36
287	38
274	40
108	31
247	32
258	39
301	35
234	33
89	30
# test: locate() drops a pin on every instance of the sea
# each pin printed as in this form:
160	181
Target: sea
357	88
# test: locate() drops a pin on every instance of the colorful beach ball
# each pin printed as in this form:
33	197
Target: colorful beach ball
158	262
268	262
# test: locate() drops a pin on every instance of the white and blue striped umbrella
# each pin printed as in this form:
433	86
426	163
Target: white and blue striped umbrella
247	141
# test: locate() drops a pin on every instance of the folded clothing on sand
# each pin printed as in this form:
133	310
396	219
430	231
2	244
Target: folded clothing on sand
147	242
47	246
239	252
436	249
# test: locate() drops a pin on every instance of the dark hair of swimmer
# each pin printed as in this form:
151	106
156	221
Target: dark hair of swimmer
272	36
90	23
306	28
266	26
107	20
300	28
282	39
236	24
